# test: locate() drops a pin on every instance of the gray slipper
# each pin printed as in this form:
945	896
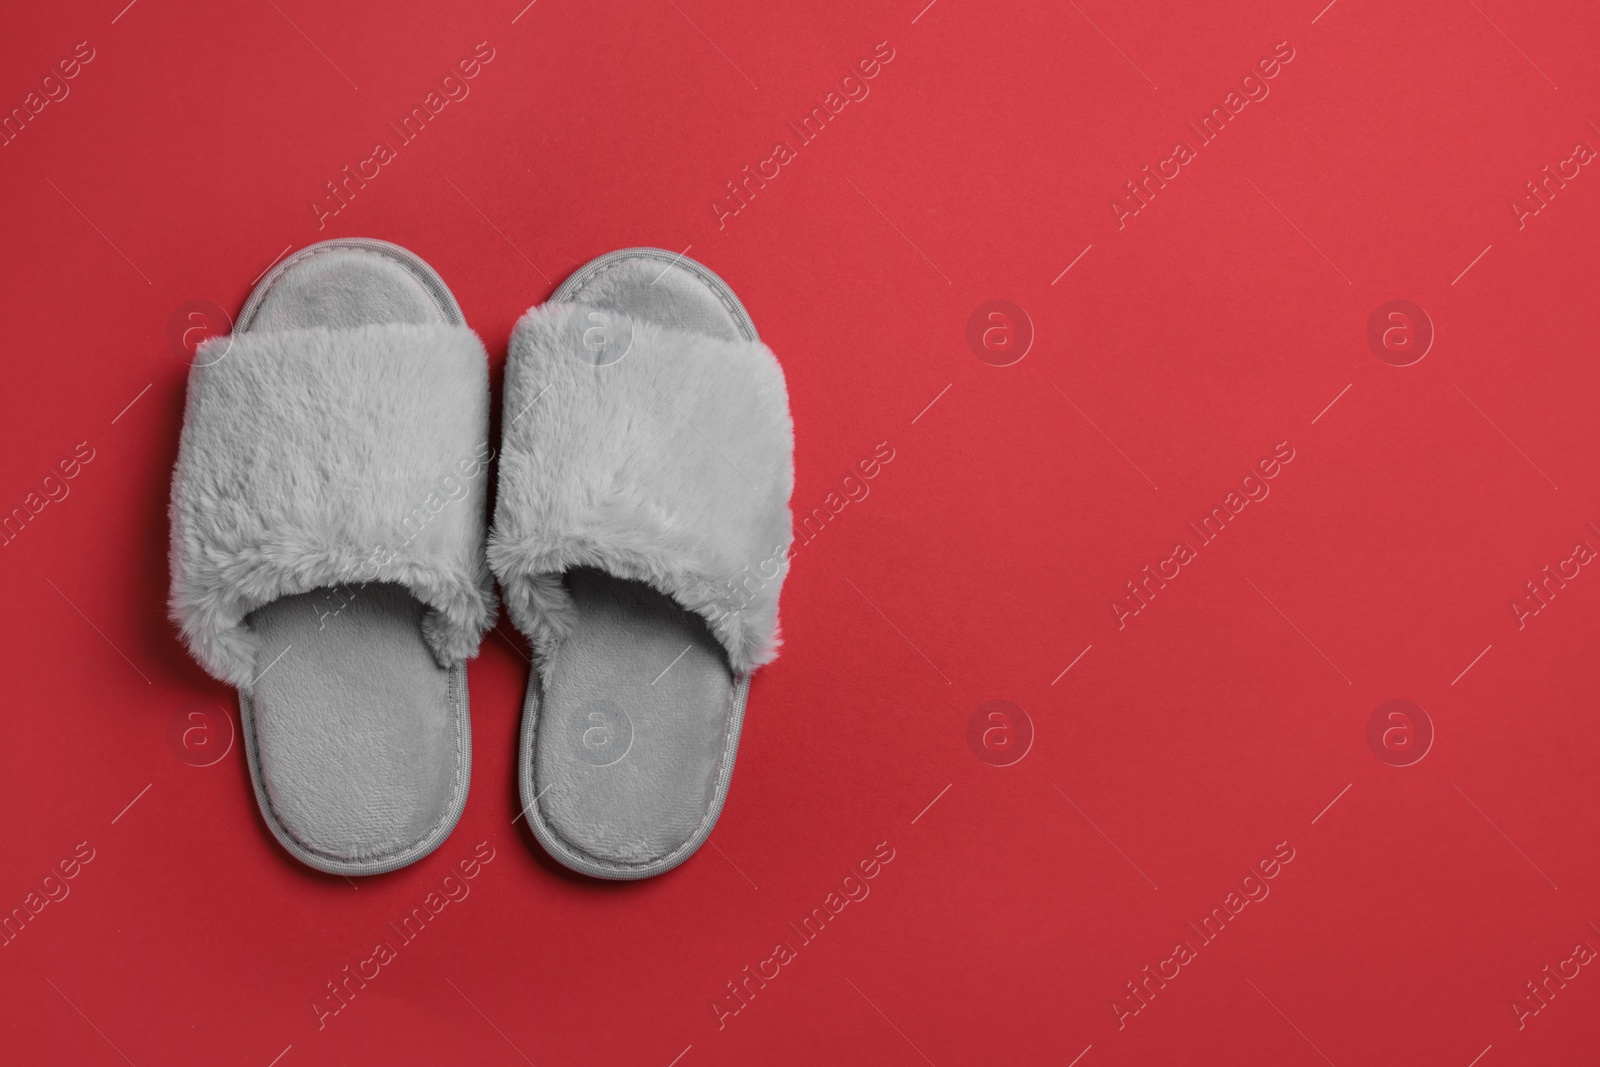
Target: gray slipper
327	547
641	536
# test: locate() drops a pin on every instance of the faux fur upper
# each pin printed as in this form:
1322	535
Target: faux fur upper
314	458
672	466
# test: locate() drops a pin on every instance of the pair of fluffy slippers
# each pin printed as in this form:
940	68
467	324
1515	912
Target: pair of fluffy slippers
330	556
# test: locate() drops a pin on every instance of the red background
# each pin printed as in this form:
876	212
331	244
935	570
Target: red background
1222	720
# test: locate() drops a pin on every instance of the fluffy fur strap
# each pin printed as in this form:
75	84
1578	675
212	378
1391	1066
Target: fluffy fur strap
671	466
316	458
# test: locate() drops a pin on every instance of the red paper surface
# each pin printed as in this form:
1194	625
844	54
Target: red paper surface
1238	722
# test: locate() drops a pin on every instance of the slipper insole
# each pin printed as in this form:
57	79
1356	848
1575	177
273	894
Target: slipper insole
632	721
360	736
353	721
637	701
